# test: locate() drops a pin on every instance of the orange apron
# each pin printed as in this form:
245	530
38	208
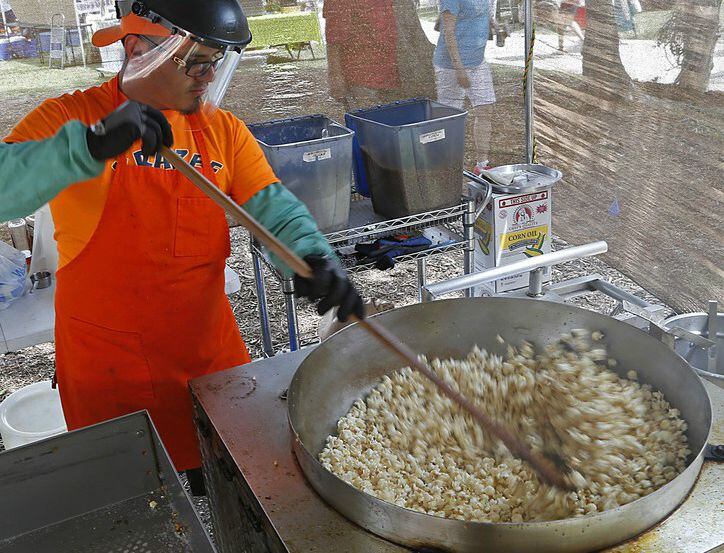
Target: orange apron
142	309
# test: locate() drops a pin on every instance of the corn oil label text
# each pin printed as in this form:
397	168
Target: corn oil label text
529	241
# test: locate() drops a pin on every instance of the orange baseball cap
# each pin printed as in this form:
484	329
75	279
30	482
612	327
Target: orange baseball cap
131	24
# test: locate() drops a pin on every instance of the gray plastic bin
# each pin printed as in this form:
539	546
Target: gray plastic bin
312	156
409	155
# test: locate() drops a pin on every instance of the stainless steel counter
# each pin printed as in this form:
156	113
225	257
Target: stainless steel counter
248	455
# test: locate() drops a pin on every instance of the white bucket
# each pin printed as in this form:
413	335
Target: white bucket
31	414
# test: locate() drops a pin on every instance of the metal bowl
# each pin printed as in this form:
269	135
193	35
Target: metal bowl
524	177
41	280
350	363
697	323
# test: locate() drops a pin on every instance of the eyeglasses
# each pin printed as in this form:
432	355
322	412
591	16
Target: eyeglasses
192	69
197	68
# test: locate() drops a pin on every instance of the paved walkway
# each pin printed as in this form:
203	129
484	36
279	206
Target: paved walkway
643	60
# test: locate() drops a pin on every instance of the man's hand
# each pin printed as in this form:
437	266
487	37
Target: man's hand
330	285
463	78
130	121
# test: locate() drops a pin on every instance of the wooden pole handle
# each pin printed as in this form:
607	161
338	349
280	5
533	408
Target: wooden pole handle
546	470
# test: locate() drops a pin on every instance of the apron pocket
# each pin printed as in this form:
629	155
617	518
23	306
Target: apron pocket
111	367
192	227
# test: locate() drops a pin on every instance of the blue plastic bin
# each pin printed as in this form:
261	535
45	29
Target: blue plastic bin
409	155
17	47
45	41
72	38
312	156
31	49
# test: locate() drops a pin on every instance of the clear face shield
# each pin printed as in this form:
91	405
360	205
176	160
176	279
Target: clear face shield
179	73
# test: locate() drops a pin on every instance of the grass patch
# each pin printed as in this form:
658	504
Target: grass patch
427	14
648	24
28	76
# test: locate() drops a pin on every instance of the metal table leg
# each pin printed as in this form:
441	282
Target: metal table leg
469	236
462	213
260	285
421	277
292	320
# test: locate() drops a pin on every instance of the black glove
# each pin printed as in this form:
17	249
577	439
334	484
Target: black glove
130	121
331	285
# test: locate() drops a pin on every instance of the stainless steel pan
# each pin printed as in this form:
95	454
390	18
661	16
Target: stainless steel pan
350	363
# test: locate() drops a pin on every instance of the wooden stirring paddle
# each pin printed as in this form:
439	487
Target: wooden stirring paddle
546	469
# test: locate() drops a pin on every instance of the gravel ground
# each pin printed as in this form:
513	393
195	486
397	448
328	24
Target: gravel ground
202	507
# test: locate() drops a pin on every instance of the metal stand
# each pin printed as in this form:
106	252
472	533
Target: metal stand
629	309
441	226
421	276
534	265
471	214
57	40
262	304
80	37
292	319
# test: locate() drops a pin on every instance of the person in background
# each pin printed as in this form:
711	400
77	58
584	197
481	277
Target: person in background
573	16
33	173
561	16
361	51
625	12
461	70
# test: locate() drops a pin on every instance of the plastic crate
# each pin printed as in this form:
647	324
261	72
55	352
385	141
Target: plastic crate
312	156
44	41
409	155
31	49
72	38
5	51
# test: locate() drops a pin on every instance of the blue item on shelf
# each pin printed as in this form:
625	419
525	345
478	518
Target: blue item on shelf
385	250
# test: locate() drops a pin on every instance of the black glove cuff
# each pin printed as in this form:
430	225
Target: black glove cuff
92	139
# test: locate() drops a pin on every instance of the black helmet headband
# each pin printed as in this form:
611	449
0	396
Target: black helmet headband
219	24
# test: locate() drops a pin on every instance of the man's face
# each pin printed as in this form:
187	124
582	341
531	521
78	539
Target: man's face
167	85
